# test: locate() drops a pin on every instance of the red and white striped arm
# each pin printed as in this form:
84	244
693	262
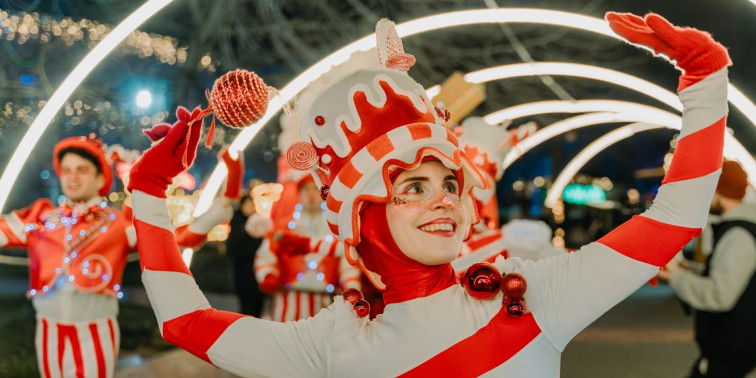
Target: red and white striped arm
681	206
12	231
194	234
12	225
240	344
594	279
266	262
180	306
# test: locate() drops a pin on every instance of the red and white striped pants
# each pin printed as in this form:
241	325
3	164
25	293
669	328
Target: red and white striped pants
78	349
294	305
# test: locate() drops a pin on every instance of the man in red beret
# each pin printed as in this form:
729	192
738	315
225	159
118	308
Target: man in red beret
724	293
77	254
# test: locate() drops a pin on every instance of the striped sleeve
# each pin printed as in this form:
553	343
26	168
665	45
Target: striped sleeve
680	208
12	226
12	231
240	344
567	293
266	262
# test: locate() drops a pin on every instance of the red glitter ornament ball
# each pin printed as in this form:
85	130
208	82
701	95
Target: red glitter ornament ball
362	308
352	295
239	98
513	285
481	280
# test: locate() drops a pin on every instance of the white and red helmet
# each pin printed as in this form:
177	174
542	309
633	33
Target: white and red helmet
367	123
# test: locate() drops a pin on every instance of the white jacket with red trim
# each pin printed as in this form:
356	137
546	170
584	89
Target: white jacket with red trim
450	333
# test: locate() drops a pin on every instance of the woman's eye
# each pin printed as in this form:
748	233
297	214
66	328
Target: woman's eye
414	189
451	187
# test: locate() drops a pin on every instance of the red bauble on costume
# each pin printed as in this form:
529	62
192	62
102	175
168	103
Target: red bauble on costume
513	285
352	295
362	308
481	280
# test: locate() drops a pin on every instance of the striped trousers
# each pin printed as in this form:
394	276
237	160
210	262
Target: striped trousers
79	349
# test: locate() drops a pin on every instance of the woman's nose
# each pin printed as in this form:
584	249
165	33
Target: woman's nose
442	200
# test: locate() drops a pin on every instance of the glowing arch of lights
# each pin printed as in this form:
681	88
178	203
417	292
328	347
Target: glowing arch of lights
623	111
732	151
590	151
66	88
628	113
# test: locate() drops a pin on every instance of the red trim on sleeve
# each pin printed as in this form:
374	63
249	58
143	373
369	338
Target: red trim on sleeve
693	157
157	249
503	337
649	241
187	238
197	331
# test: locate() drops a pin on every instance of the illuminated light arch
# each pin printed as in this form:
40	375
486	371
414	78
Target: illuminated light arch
66	88
562	106
625	112
589	152
628	113
732	151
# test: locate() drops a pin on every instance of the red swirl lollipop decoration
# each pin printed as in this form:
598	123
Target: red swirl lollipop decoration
301	156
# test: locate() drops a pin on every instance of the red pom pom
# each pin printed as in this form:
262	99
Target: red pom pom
513	285
352	295
481	280
362	308
239	98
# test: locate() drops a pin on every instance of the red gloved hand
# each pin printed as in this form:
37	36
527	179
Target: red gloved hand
695	51
285	242
156	168
269	284
235	174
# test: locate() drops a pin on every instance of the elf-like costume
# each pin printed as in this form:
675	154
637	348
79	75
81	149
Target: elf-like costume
373	120
301	264
77	255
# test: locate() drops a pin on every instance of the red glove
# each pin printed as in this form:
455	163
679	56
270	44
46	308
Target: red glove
695	51
269	284
286	242
235	174
156	168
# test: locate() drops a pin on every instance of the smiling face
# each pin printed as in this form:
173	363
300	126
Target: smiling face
79	178
426	217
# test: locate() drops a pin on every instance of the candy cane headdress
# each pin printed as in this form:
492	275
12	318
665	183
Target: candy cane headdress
366	123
